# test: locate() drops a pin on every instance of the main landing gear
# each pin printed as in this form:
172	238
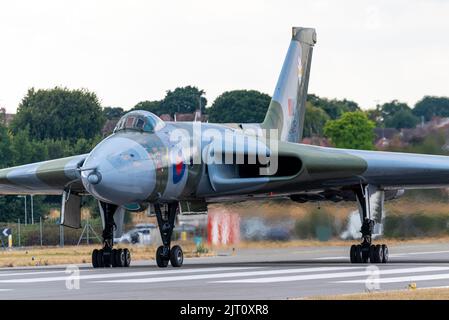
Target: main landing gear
166	222
366	251
108	256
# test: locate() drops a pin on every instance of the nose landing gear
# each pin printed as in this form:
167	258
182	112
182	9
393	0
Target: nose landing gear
166	222
108	256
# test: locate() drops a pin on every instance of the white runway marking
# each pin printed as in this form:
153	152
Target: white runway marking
320	276
417	253
403	279
123	274
229	275
396	255
2	274
249	275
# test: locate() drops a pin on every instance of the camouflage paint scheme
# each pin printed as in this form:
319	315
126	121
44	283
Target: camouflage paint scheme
47	177
138	167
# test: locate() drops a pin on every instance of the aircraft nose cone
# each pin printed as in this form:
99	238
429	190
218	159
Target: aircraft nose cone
120	171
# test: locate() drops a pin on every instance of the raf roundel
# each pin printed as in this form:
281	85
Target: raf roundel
179	167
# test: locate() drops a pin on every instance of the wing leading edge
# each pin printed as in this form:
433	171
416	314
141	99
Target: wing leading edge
47	177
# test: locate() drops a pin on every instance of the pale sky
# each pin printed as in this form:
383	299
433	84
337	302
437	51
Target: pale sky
129	51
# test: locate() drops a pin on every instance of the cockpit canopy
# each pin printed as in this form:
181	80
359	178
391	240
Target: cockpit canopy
140	120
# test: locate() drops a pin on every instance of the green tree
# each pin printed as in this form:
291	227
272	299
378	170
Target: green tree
11	208
433	143
242	106
22	148
57	148
375	115
431	106
59	113
111	113
334	107
394	114
402	119
314	120
353	131
183	100
83	146
40	151
5	147
151	106
391	108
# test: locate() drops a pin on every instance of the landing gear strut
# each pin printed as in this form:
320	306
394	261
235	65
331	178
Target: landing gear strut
108	256
166	222
366	251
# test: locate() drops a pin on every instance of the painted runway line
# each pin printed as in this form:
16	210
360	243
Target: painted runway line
395	255
248	275
413	278
230	275
321	276
123	274
418	253
4	274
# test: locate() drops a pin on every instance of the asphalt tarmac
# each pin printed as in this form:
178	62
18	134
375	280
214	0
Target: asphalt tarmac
245	274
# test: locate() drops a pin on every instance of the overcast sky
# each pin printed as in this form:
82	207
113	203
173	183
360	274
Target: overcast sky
129	51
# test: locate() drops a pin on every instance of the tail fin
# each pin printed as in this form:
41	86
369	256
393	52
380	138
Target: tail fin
287	107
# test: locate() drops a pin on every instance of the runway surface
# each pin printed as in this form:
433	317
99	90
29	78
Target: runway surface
248	274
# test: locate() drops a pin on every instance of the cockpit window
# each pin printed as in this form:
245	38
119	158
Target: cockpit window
139	121
130	122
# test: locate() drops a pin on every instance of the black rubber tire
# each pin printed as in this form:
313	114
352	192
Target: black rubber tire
127	258
385	253
365	254
107	256
352	255
372	253
161	261
358	253
119	258
113	258
176	256
95	258
378	254
100	259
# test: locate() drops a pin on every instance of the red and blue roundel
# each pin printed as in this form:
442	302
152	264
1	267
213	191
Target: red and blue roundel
179	167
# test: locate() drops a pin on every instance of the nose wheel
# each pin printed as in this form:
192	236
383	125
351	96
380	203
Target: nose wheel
175	256
166	223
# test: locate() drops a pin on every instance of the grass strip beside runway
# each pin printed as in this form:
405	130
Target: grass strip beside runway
407	294
37	256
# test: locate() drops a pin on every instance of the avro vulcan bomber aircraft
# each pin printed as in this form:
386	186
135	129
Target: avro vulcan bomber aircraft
147	162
